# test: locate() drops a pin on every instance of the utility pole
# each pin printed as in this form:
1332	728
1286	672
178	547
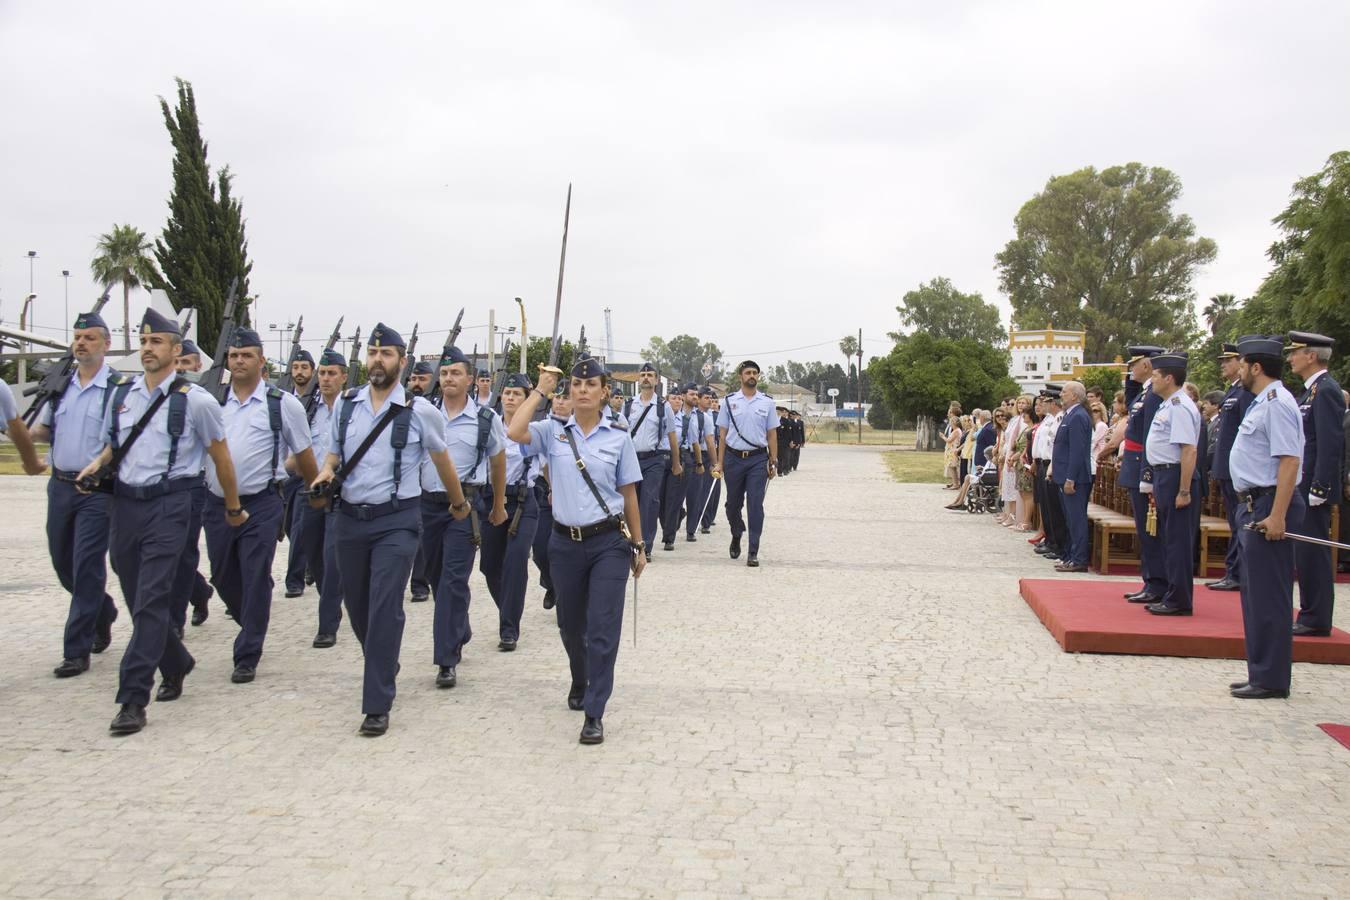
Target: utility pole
860	412
492	342
65	273
609	339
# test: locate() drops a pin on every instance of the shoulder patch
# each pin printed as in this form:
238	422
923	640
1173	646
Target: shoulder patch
1176	401
184	388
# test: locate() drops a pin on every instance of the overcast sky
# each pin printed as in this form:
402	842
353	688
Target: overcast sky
767	176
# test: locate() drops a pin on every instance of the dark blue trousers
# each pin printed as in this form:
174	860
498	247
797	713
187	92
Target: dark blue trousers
77	537
419	584
1232	560
1052	519
147	539
649	496
318	536
375	558
241	567
1075	507
1176	532
1151	565
188	584
296	560
747	482
447	547
542	532
694	492
505	562
591	578
1268	594
672	501
1316	578
715	489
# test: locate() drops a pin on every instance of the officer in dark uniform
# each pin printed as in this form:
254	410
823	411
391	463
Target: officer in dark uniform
800	424
785	432
1172	454
505	560
1323	410
749	431
263	425
302	374
595	472
317	531
1264	467
1234	406
160	429
419	385
77	523
379	519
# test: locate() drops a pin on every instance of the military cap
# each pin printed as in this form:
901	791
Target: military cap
422	367
1142	351
384	336
158	323
1229	351
189	348
589	367
1176	359
453	355
303	355
332	357
647	367
482	373
1260	345
748	364
1307	340
707	392
1051	391
518	380
686	388
245	337
90	320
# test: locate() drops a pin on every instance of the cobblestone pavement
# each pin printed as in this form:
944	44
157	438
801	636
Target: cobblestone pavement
874	711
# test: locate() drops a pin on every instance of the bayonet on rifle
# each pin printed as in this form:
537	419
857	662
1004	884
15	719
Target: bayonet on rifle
217	378
287	382
55	377
352	360
412	359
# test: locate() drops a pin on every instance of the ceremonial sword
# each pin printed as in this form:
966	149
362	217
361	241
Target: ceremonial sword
1303	537
552	365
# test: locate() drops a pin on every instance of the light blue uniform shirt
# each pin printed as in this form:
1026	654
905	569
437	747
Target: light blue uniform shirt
9	410
373	479
148	459
248	432
647	435
755	418
461	439
610	458
519	466
1272	427
319	429
79	435
1176	424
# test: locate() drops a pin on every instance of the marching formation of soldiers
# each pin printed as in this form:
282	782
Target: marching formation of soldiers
406	481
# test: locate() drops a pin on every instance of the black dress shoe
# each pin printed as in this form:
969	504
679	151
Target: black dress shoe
575	697
171	687
1130	595
200	613
294	592
1224	584
420	598
752	560
549	598
592	732
445	678
668	545
736	547
1256	692
178	632
1162	609
129	719
1144	598
102	636
690	538
375	725
649	557
1238	684
705	530
243	674
1301	630
1071	567
69	668
323	640
309	579
506	645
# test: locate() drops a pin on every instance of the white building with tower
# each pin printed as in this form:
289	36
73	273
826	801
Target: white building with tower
1044	356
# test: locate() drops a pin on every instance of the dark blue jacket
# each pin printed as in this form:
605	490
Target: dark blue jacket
1235	403
1323	409
1071	457
985	437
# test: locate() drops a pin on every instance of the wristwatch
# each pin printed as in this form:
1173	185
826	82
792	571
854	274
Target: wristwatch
233	512
463	504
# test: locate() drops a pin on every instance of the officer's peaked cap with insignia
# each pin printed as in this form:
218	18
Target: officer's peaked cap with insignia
1176	359
518	380
246	337
452	356
90	320
332	357
157	323
190	348
1301	340
1229	351
748	364
1260	345
647	367
303	355
1142	351
384	336
589	367
422	367
1051	391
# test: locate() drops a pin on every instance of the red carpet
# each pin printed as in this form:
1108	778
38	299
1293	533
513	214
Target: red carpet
1340	732
1092	617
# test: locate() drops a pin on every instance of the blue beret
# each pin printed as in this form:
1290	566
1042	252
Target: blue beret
518	380
384	336
422	367
452	356
158	323
189	348
303	355
90	320
1260	345
1299	340
747	364
589	367
647	367
332	358
246	337
1177	359
1142	351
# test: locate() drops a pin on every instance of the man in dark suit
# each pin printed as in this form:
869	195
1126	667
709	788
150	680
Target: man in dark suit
1071	470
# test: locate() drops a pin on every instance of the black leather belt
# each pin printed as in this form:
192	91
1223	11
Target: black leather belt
579	533
651	454
64	475
1249	496
156	488
365	512
746	454
1175	465
470	492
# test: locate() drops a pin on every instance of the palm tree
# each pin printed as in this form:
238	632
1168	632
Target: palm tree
848	345
1218	310
124	258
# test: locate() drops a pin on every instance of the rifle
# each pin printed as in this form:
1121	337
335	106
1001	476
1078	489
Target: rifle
187	323
434	395
286	382
55	378
217	378
351	360
499	380
312	396
412	360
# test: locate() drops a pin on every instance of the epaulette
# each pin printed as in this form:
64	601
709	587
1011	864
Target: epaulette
115	378
185	387
1317	490
1176	401
1271	395
350	393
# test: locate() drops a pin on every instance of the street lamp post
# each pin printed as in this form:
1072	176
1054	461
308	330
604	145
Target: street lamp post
23	326
281	339
65	273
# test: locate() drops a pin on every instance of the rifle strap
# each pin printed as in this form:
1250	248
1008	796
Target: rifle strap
732	418
585	474
120	449
349	463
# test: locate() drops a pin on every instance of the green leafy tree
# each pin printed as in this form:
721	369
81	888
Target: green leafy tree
123	258
537	355
682	358
922	374
1106	253
939	309
1108	379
